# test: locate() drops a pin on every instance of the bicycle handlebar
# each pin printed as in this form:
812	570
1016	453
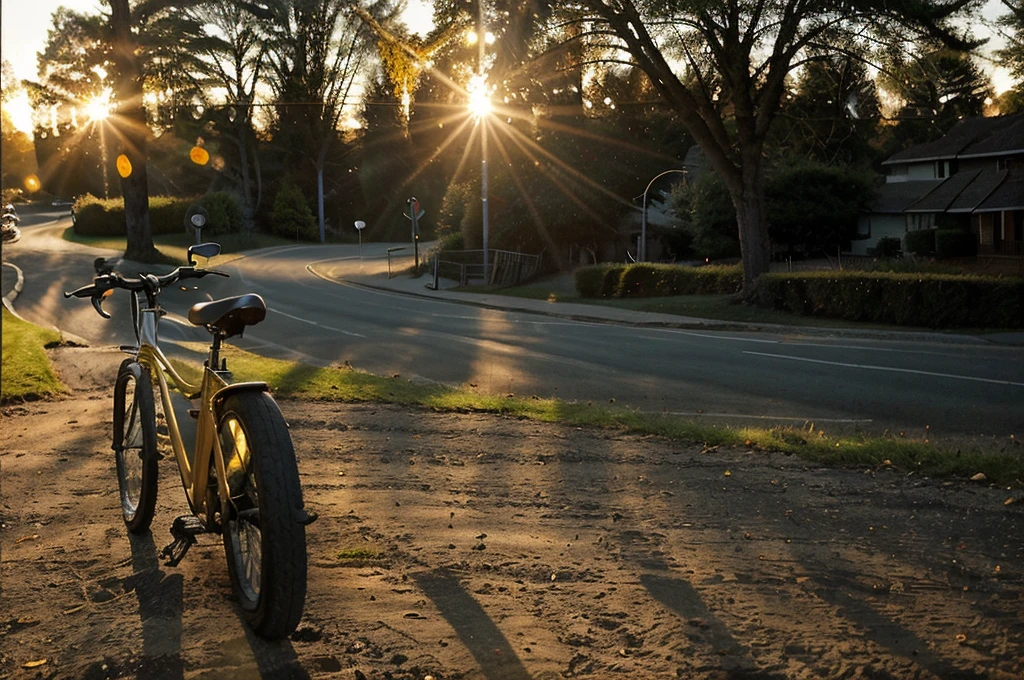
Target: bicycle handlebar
102	285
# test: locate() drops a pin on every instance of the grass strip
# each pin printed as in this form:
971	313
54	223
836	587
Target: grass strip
27	372
1001	463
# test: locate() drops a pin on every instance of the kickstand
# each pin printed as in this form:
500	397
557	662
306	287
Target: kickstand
184	530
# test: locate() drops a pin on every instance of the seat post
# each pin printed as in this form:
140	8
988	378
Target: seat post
214	361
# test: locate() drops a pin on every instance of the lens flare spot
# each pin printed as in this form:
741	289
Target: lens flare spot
124	166
199	155
32	183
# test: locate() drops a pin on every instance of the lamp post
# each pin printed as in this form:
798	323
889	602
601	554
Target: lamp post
642	250
480	107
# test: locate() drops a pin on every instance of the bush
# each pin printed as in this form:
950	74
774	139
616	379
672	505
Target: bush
224	213
920	242
598	280
914	299
652	280
291	215
105	216
955	243
887	247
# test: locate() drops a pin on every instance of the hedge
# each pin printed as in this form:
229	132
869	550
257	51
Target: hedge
912	299
650	280
921	242
955	243
105	216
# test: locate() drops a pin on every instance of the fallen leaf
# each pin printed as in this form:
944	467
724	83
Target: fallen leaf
1009	501
33	537
980	477
961	638
34	664
728	474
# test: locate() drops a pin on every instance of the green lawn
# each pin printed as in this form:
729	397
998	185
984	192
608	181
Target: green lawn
999	460
27	372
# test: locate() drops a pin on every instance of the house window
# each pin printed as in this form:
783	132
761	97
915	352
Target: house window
941	169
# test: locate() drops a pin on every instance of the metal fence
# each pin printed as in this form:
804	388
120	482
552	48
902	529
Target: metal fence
506	267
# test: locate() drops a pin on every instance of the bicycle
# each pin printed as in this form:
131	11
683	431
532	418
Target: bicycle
240	475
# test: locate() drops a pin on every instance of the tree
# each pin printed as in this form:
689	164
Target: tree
937	86
318	48
18	164
1012	54
738	55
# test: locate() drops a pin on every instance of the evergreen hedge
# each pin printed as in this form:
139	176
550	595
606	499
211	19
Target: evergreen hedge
105	216
955	243
921	242
645	279
911	299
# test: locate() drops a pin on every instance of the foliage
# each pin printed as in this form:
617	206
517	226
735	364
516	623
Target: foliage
810	207
27	372
645	279
937	87
1012	54
920	242
599	280
955	243
454	208
105	217
887	247
291	215
928	300
832	114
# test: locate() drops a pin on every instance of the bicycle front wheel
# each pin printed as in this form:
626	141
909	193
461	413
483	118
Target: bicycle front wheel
264	540
135	445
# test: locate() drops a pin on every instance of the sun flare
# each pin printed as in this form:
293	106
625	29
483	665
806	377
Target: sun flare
98	108
479	99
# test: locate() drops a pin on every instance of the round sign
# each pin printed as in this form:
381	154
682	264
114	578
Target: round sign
360	225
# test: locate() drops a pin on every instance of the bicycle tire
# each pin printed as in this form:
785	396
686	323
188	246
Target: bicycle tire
135	445
264	542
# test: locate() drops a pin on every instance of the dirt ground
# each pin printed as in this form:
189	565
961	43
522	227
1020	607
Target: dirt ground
501	548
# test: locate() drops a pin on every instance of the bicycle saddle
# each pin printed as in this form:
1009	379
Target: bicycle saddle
229	316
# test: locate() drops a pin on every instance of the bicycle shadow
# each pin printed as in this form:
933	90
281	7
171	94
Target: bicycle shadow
160	607
476	630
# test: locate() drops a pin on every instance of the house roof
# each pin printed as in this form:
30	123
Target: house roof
1009	195
984	183
942	196
895	197
1000	135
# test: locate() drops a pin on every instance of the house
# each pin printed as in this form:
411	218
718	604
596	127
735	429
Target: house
971	178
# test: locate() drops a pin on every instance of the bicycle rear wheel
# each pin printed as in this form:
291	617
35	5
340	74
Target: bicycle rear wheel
264	541
135	445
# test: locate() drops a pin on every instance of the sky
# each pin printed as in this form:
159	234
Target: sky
25	25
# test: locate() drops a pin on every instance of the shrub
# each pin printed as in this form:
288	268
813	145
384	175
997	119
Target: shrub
929	300
887	247
645	279
920	242
224	212
955	243
291	215
598	280
105	216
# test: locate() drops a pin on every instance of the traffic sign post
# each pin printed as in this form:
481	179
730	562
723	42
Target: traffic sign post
360	225
414	215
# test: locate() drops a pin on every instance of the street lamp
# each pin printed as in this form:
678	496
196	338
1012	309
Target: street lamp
642	250
480	107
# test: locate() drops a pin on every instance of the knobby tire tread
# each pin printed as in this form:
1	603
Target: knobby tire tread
283	574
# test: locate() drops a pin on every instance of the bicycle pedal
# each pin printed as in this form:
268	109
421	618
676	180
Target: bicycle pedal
184	530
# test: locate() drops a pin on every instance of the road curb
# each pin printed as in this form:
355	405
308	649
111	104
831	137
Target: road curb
10	296
865	334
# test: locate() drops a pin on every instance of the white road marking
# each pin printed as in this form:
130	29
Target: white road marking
318	325
869	367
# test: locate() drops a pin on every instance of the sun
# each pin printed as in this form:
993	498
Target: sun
98	108
479	99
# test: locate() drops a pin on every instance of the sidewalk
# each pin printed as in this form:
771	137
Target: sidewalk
448	291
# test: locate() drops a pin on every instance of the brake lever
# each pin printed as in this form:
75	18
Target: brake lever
97	303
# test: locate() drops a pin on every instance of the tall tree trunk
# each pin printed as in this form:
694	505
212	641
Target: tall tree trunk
130	125
752	220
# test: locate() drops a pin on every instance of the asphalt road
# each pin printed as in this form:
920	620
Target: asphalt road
913	385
